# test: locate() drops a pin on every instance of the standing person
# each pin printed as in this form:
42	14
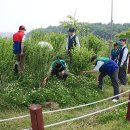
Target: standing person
106	67
122	62
72	41
18	46
115	52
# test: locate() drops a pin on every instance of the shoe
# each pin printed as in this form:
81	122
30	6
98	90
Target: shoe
114	100
16	68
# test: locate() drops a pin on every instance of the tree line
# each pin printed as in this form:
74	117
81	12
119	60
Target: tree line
99	29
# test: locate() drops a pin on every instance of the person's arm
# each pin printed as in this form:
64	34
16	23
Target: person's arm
124	57
45	80
22	44
67	44
89	72
95	70
77	41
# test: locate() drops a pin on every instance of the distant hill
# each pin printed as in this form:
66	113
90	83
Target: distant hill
98	29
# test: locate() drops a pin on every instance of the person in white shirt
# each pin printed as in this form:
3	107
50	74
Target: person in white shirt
72	41
106	67
122	62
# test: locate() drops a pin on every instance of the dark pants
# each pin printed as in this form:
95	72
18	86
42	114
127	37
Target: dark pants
54	72
122	74
70	58
114	80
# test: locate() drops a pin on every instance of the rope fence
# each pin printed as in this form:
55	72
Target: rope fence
41	126
65	109
87	115
84	105
14	118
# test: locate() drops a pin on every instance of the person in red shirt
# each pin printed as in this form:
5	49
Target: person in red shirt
18	46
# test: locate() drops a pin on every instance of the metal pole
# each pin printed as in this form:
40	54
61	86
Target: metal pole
111	32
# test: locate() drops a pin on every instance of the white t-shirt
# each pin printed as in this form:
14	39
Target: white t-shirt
125	53
24	37
98	65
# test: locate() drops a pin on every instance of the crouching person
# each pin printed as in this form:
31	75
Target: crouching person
57	69
106	67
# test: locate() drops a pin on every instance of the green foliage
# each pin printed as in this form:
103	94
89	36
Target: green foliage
24	89
75	90
98	29
6	55
37	35
57	41
125	34
71	21
81	59
95	43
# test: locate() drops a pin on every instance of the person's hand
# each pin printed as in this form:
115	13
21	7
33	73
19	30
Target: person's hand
62	73
44	82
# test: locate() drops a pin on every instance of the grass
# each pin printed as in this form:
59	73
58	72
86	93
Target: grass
110	120
18	91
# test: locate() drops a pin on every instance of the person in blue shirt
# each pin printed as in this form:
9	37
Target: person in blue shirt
115	52
106	67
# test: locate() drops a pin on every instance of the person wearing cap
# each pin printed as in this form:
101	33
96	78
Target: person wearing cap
18	47
122	62
119	44
72	40
106	67
115	52
57	69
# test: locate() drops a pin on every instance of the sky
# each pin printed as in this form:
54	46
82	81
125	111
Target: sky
43	13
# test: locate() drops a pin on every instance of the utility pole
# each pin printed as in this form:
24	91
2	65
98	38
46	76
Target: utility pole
111	32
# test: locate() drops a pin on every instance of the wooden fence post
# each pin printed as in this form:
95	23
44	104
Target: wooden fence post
129	65
128	110
36	117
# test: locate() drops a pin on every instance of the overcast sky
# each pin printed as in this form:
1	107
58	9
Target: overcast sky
42	13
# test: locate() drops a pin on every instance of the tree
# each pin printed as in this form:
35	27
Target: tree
72	22
125	34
